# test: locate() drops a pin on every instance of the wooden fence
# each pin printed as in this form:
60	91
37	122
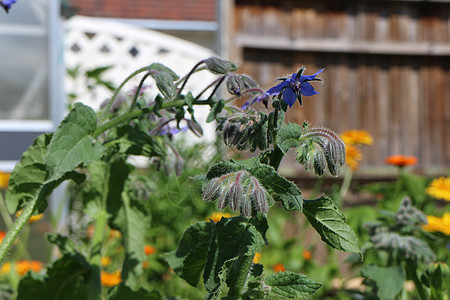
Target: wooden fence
387	69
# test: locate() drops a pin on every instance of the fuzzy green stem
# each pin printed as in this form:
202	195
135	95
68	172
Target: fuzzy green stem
128	116
9	223
20	223
116	92
346	183
138	91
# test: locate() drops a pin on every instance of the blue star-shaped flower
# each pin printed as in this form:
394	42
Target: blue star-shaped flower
6	4
294	87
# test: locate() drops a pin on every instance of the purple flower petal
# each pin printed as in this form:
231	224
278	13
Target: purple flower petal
289	97
278	88
306	89
310	77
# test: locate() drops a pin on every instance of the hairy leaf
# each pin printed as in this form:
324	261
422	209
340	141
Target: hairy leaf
291	285
72	144
65	280
331	224
188	261
389	280
288	136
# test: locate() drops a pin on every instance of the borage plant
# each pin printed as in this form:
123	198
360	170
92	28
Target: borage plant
93	148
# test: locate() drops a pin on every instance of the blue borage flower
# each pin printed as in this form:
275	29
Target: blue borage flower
294	87
6	4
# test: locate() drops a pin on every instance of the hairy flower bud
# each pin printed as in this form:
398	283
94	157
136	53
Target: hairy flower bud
212	190
235	85
218	65
246	130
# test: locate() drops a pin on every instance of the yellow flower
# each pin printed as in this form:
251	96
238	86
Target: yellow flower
436	224
356	137
352	156
110	279
439	188
4	180
105	261
217	216
400	160
6	268
32	219
257	258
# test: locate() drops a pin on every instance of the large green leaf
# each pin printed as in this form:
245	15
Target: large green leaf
188	261
389	280
232	239
289	285
28	175
331	224
65	280
72	144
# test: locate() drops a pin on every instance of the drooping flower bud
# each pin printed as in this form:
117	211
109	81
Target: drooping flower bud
246	130
218	65
235	85
212	190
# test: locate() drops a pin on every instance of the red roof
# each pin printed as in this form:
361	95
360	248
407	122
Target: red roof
198	10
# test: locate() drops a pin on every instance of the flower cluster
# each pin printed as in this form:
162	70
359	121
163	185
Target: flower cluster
22	267
240	191
246	130
321	149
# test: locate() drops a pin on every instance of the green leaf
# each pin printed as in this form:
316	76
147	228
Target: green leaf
330	223
232	238
389	280
288	136
65	280
289	285
67	247
28	175
133	141
72	144
285	191
188	261
216	108
122	292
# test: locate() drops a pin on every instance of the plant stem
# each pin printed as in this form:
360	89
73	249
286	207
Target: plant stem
346	183
9	223
116	92
22	221
138	90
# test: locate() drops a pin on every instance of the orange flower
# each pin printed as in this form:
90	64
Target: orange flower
439	188
400	160
2	236
149	250
23	266
110	279
217	216
278	268
307	255
4	180
33	219
357	137
257	258
113	233
352	156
